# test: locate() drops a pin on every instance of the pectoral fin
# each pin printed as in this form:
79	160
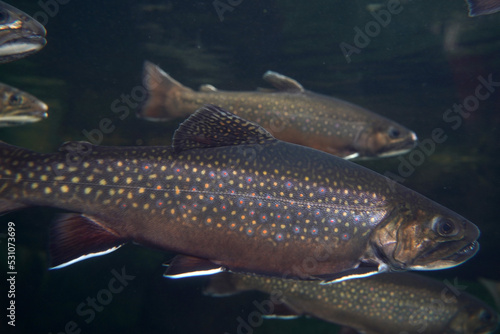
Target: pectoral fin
359	272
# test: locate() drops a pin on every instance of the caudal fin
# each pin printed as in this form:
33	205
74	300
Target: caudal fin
163	92
483	7
10	156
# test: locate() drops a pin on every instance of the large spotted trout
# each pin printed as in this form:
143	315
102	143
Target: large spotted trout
229	196
290	113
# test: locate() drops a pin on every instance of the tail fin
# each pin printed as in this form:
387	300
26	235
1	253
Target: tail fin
494	289
7	172
163	93
483	7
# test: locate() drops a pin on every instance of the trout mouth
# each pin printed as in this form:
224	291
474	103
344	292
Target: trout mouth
455	259
465	252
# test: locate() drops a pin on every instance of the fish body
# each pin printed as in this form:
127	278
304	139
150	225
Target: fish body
483	7
18	107
227	195
20	34
289	113
389	303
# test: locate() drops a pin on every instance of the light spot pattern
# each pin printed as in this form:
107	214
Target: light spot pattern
392	303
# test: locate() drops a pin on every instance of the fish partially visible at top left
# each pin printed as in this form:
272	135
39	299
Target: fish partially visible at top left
20	34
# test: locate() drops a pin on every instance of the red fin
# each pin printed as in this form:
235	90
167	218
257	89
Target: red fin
8	206
76	237
190	266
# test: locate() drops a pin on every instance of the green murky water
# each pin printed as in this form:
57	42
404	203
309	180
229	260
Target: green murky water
426	59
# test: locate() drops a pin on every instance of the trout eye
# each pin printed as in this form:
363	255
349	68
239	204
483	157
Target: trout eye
393	132
3	16
445	227
485	316
15	100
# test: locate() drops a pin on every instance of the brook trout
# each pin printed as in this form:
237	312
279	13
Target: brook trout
229	196
290	113
390	303
20	34
18	107
483	7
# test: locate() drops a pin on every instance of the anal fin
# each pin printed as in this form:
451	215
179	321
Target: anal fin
76	237
189	266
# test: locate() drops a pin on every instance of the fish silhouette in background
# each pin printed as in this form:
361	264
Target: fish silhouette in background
389	303
290	113
483	7
229	196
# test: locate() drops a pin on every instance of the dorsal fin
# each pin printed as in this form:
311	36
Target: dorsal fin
80	146
206	88
212	126
282	82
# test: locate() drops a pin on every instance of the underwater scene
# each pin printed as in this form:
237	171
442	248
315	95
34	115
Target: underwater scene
250	166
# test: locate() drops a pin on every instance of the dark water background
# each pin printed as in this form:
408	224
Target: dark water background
428	58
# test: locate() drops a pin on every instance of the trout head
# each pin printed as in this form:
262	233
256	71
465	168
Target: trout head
425	239
20	34
18	107
385	139
473	316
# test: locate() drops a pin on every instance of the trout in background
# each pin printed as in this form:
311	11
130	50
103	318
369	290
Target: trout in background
18	107
20	34
494	288
483	7
390	303
289	113
229	196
